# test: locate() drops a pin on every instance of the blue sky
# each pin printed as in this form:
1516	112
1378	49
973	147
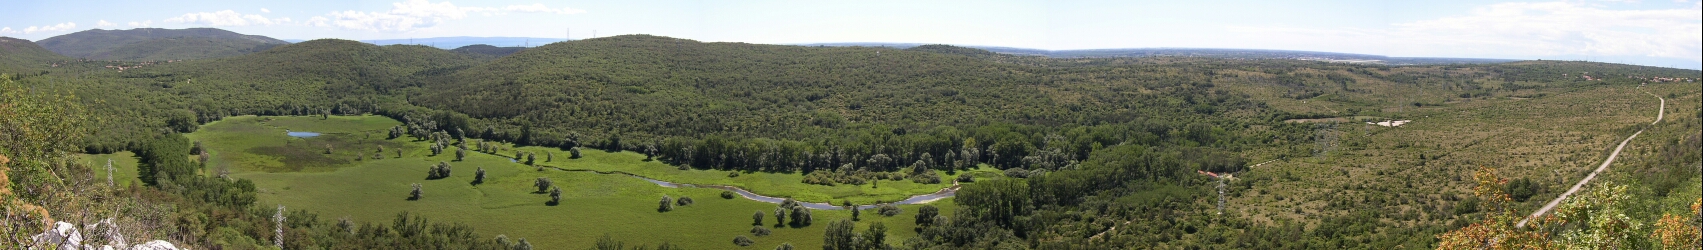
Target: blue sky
1666	33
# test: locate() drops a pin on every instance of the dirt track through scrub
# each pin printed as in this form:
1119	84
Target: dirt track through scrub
1546	207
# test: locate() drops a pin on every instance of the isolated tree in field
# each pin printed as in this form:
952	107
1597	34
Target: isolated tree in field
202	158
573	153
549	156
543	184
667	205
757	218
460	154
925	215
415	195
381	148
436	150
801	216
855	213
555	195
395	132
531	158
780	216
439	171
479	176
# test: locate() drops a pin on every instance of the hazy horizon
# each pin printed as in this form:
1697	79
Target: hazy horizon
1664	33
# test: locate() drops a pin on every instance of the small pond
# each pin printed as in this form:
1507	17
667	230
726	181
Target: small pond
299	134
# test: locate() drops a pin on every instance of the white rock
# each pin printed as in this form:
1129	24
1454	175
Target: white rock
63	234
155	245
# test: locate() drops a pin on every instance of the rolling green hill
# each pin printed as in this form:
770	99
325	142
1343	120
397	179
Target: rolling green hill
488	50
153	44
19	55
1095	152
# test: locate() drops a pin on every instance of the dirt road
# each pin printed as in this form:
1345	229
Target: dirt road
1593	175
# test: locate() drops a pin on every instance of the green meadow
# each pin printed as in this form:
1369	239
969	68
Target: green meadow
298	173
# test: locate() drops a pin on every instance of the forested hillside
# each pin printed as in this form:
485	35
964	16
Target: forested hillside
153	44
21	56
1099	153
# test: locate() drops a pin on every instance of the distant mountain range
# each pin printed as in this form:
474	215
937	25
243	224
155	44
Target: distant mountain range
198	43
1200	52
462	41
147	44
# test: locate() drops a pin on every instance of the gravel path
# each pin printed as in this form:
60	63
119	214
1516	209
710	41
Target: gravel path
1593	175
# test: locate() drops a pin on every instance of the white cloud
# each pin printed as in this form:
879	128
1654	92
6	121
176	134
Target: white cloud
419	14
141	24
66	26
39	29
1522	29
264	10
540	8
104	23
225	18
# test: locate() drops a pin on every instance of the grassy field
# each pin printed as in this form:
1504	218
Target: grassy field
768	184
297	173
123	166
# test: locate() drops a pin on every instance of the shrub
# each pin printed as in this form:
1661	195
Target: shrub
543	184
742	241
890	210
784	246
1016	173
925	215
801	216
966	178
684	201
439	171
926	178
727	194
759	231
555	195
757	218
733	174
415	195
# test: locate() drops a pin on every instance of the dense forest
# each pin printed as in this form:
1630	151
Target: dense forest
1093	144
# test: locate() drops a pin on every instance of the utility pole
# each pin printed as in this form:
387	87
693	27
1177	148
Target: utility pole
1221	195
